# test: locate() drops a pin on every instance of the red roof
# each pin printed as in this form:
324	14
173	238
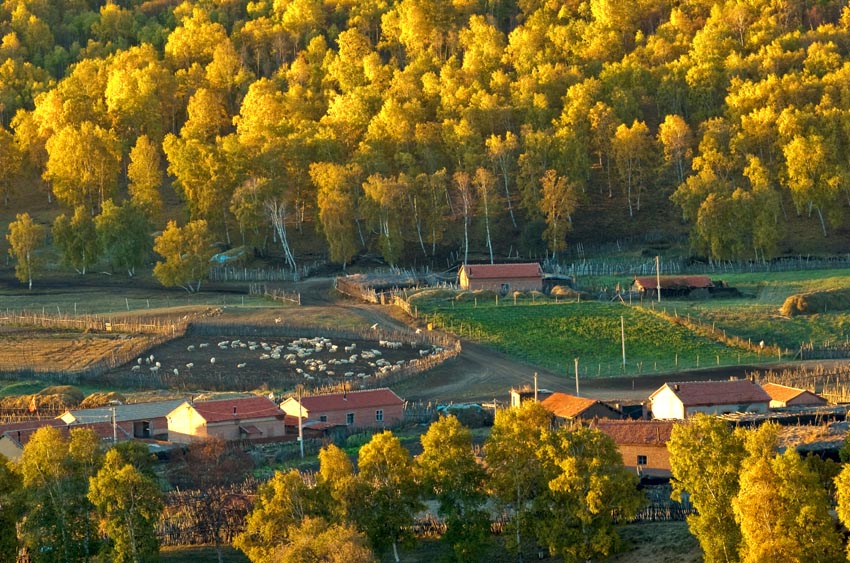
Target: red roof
237	409
488	271
784	394
567	406
637	432
674	282
21	432
366	398
702	393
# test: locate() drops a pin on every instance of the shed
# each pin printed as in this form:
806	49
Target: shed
138	420
683	400
569	407
356	409
247	418
642	443
782	396
503	278
671	286
15	435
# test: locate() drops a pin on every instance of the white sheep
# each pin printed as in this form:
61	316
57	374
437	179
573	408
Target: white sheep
190	348
139	361
176	371
242	365
190	365
203	345
136	368
212	360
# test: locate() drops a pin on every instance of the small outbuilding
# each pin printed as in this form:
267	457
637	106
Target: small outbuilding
15	435
684	400
368	408
137	420
502	278
782	396
567	408
671	286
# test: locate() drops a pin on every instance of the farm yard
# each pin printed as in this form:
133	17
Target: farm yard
241	364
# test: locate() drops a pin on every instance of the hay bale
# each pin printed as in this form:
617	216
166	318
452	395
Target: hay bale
816	302
102	399
434	294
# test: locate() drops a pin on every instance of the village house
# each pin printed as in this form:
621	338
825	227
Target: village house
523	394
782	396
503	278
684	400
367	408
567	408
250	418
642	443
15	435
135	420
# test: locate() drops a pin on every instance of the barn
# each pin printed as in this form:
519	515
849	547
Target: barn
642	443
684	400
503	278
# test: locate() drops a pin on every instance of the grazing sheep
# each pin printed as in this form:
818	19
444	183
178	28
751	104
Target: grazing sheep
277	320
159	365
136	368
242	365
190	348
139	361
154	369
203	345
212	360
176	371
190	365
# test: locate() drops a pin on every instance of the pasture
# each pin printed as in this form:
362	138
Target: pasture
553	334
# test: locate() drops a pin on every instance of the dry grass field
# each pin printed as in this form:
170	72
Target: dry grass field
47	351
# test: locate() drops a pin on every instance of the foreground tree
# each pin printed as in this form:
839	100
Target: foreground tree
449	470
25	239
558	202
705	457
59	524
281	506
588	486
515	473
145	174
391	498
10	510
317	540
782	508
187	251
129	504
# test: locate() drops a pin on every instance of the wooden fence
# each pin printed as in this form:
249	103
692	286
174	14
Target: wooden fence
240	274
92	323
275	294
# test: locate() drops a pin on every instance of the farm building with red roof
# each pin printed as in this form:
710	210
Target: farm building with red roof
503	278
683	400
15	435
782	396
249	418
671	286
357	409
642	443
569	407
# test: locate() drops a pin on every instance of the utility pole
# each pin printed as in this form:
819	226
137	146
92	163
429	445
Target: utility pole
535	386
300	389
658	276
623	340
577	393
114	427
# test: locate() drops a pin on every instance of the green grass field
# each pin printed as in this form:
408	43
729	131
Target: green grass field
551	334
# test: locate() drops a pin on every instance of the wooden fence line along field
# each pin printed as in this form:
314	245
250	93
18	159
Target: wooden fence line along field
241	274
274	294
95	323
678	266
831	381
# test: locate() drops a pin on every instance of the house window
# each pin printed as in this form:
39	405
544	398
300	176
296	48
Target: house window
505	289
641	460
379	415
349	418
323	418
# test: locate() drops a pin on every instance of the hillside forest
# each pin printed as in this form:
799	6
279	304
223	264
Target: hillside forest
420	129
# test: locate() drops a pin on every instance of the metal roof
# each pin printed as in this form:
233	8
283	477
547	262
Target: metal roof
123	413
491	271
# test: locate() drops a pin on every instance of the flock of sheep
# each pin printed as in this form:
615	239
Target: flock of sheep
306	357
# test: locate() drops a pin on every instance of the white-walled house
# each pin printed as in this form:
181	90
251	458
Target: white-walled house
684	400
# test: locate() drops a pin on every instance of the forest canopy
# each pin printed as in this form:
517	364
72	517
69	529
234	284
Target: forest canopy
419	128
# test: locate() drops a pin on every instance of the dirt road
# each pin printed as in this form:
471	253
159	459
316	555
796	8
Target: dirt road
480	373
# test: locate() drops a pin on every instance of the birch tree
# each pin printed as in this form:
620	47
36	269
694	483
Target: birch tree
25	240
